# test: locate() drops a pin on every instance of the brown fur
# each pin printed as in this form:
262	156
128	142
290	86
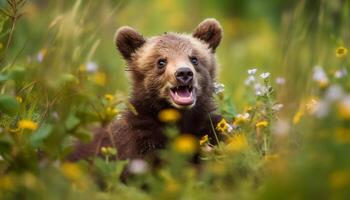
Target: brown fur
140	136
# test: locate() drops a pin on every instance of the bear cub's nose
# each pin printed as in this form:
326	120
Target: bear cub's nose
184	75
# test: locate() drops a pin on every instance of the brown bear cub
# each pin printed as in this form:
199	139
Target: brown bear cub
171	70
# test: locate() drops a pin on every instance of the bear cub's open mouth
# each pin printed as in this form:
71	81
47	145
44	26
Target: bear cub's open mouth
183	95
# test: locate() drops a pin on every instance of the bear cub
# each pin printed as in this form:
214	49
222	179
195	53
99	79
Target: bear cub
171	70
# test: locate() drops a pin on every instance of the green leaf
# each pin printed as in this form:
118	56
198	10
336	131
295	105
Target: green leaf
17	73
72	121
42	133
83	135
9	105
3	77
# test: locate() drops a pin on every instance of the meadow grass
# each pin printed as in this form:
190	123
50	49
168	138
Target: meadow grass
283	91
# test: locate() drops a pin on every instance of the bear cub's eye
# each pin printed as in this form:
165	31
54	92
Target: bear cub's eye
161	63
194	60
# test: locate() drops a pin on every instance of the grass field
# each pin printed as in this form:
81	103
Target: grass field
285	98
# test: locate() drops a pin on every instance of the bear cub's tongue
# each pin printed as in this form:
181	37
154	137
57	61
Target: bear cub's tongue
182	95
183	92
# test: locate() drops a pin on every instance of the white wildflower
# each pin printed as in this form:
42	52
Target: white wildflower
321	109
340	73
138	166
260	90
219	87
281	127
319	75
334	92
277	107
91	67
244	116
249	80
252	71
265	75
280	81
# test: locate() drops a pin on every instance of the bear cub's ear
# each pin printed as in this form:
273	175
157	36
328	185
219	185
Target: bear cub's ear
209	31
128	40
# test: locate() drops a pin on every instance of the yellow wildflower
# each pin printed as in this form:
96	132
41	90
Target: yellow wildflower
82	68
30	181
171	186
222	126
343	110
28	124
311	105
262	124
99	78
297	116
7	183
169	115
108	151
71	171
204	140
1	46
271	157
19	99
241	118
342	135
339	179
109	97
237	143
341	52
111	112
186	144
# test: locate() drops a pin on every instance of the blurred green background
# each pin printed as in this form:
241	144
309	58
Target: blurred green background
61	62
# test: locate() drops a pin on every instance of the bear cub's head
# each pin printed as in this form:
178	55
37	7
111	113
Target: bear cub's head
172	68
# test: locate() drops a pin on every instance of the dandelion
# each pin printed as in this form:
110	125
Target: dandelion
28	124
186	144
341	52
252	71
169	115
204	140
280	81
218	88
222	126
109	97
262	124
41	54
237	143
265	75
138	166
